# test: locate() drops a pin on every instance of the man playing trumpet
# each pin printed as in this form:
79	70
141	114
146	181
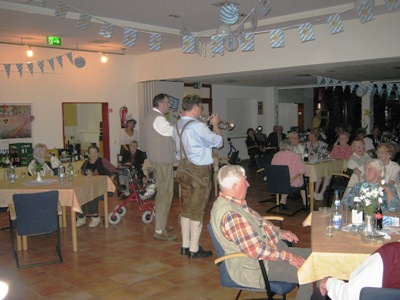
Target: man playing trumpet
194	142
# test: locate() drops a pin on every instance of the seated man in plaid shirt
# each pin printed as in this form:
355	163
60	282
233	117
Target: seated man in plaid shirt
238	228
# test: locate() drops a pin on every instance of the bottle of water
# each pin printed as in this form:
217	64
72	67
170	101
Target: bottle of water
61	174
70	171
357	213
337	212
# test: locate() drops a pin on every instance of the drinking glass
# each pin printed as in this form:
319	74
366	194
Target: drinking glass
329	226
88	172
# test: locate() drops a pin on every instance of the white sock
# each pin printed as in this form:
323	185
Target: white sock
185	228
195	231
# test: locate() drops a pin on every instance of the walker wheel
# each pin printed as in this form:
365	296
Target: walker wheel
121	211
114	220
147	217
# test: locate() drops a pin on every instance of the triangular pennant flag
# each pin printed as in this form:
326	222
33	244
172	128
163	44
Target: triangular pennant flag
344	84
69	55
217	44
253	20
20	68
30	67
319	80
335	24
306	32
51	63
247	42
188	43
266	7
7	67
352	86
106	30
155	42
364	11
335	83
41	65
61	9
130	36
389	88
84	21
398	87
392	4
380	89
60	61
371	88
276	38
327	82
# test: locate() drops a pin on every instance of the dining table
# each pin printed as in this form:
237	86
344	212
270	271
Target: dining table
337	256
319	169
72	194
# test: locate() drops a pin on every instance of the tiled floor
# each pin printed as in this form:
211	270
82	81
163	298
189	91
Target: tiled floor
125	262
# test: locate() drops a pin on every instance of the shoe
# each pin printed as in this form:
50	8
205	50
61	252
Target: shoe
283	206
318	197
185	251
165	236
95	222
169	228
306	208
80	222
201	253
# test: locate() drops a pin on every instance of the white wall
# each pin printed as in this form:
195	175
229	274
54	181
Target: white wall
113	82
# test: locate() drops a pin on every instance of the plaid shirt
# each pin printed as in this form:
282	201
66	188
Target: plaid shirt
237	229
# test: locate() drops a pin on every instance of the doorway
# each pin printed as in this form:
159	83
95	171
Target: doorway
85	124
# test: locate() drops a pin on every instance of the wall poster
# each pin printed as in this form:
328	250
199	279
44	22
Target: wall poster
15	121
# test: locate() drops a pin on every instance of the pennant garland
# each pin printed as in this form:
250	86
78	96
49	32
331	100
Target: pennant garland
188	44
7	67
69	55
364	12
106	30
41	65
371	88
30	67
380	88
130	36
19	68
60	61
327	82
352	86
389	88
319	80
155	42
306	32
84	21
217	44
247	42
51	63
276	38
392	4
335	83
344	83
335	24
61	9
266	7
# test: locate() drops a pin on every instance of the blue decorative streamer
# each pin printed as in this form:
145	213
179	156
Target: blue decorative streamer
306	32
155	42
276	38
188	43
335	24
84	21
130	36
247	42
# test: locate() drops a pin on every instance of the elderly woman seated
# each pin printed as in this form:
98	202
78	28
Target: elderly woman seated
48	163
286	156
374	175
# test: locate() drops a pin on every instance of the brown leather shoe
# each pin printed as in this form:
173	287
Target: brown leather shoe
165	236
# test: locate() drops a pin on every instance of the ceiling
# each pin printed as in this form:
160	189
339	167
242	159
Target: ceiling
27	22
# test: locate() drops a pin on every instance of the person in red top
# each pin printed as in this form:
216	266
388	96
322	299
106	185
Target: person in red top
343	149
287	157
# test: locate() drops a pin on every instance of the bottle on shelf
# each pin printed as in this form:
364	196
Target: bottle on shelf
337	212
379	218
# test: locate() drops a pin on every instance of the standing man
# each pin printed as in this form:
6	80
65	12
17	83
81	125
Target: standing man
161	152
194	142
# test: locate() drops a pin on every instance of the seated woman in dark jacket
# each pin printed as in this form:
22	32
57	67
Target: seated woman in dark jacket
253	146
95	165
132	158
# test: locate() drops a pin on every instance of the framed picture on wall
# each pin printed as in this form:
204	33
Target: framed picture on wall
260	108
15	121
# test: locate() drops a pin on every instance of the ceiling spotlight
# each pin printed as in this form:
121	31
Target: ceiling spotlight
29	53
104	58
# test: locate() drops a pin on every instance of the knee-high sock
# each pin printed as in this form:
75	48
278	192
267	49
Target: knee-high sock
283	198
195	231
185	228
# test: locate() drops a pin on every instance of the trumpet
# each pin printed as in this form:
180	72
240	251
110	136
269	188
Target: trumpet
224	125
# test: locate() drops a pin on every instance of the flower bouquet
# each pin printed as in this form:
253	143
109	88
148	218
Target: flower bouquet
38	168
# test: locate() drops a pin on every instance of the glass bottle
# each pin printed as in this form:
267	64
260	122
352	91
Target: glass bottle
337	212
70	171
305	154
379	218
61	174
357	213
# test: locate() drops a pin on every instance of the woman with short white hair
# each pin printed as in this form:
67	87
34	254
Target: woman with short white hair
48	162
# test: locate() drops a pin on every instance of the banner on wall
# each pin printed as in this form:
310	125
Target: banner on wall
15	121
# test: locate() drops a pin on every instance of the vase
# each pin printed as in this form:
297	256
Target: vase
38	178
369	235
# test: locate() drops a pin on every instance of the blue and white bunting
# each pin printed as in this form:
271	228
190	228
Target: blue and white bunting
106	30
30	67
60	61
266	7
398	87
51	63
130	36
20	68
364	12
7	67
276	38
61	9
41	65
84	21
319	80
380	88
335	83
217	44
392	4
327	82
344	84
371	88
69	55
155	42
352	86
42	3
247	42
188	43
335	24
389	88
306	32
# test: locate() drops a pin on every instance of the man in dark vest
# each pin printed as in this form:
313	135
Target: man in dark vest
161	152
381	269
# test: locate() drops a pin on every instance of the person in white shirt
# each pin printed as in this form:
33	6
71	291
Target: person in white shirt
43	160
294	139
356	161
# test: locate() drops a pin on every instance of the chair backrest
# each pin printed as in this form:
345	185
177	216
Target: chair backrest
233	160
370	293
36	213
225	279
278	179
